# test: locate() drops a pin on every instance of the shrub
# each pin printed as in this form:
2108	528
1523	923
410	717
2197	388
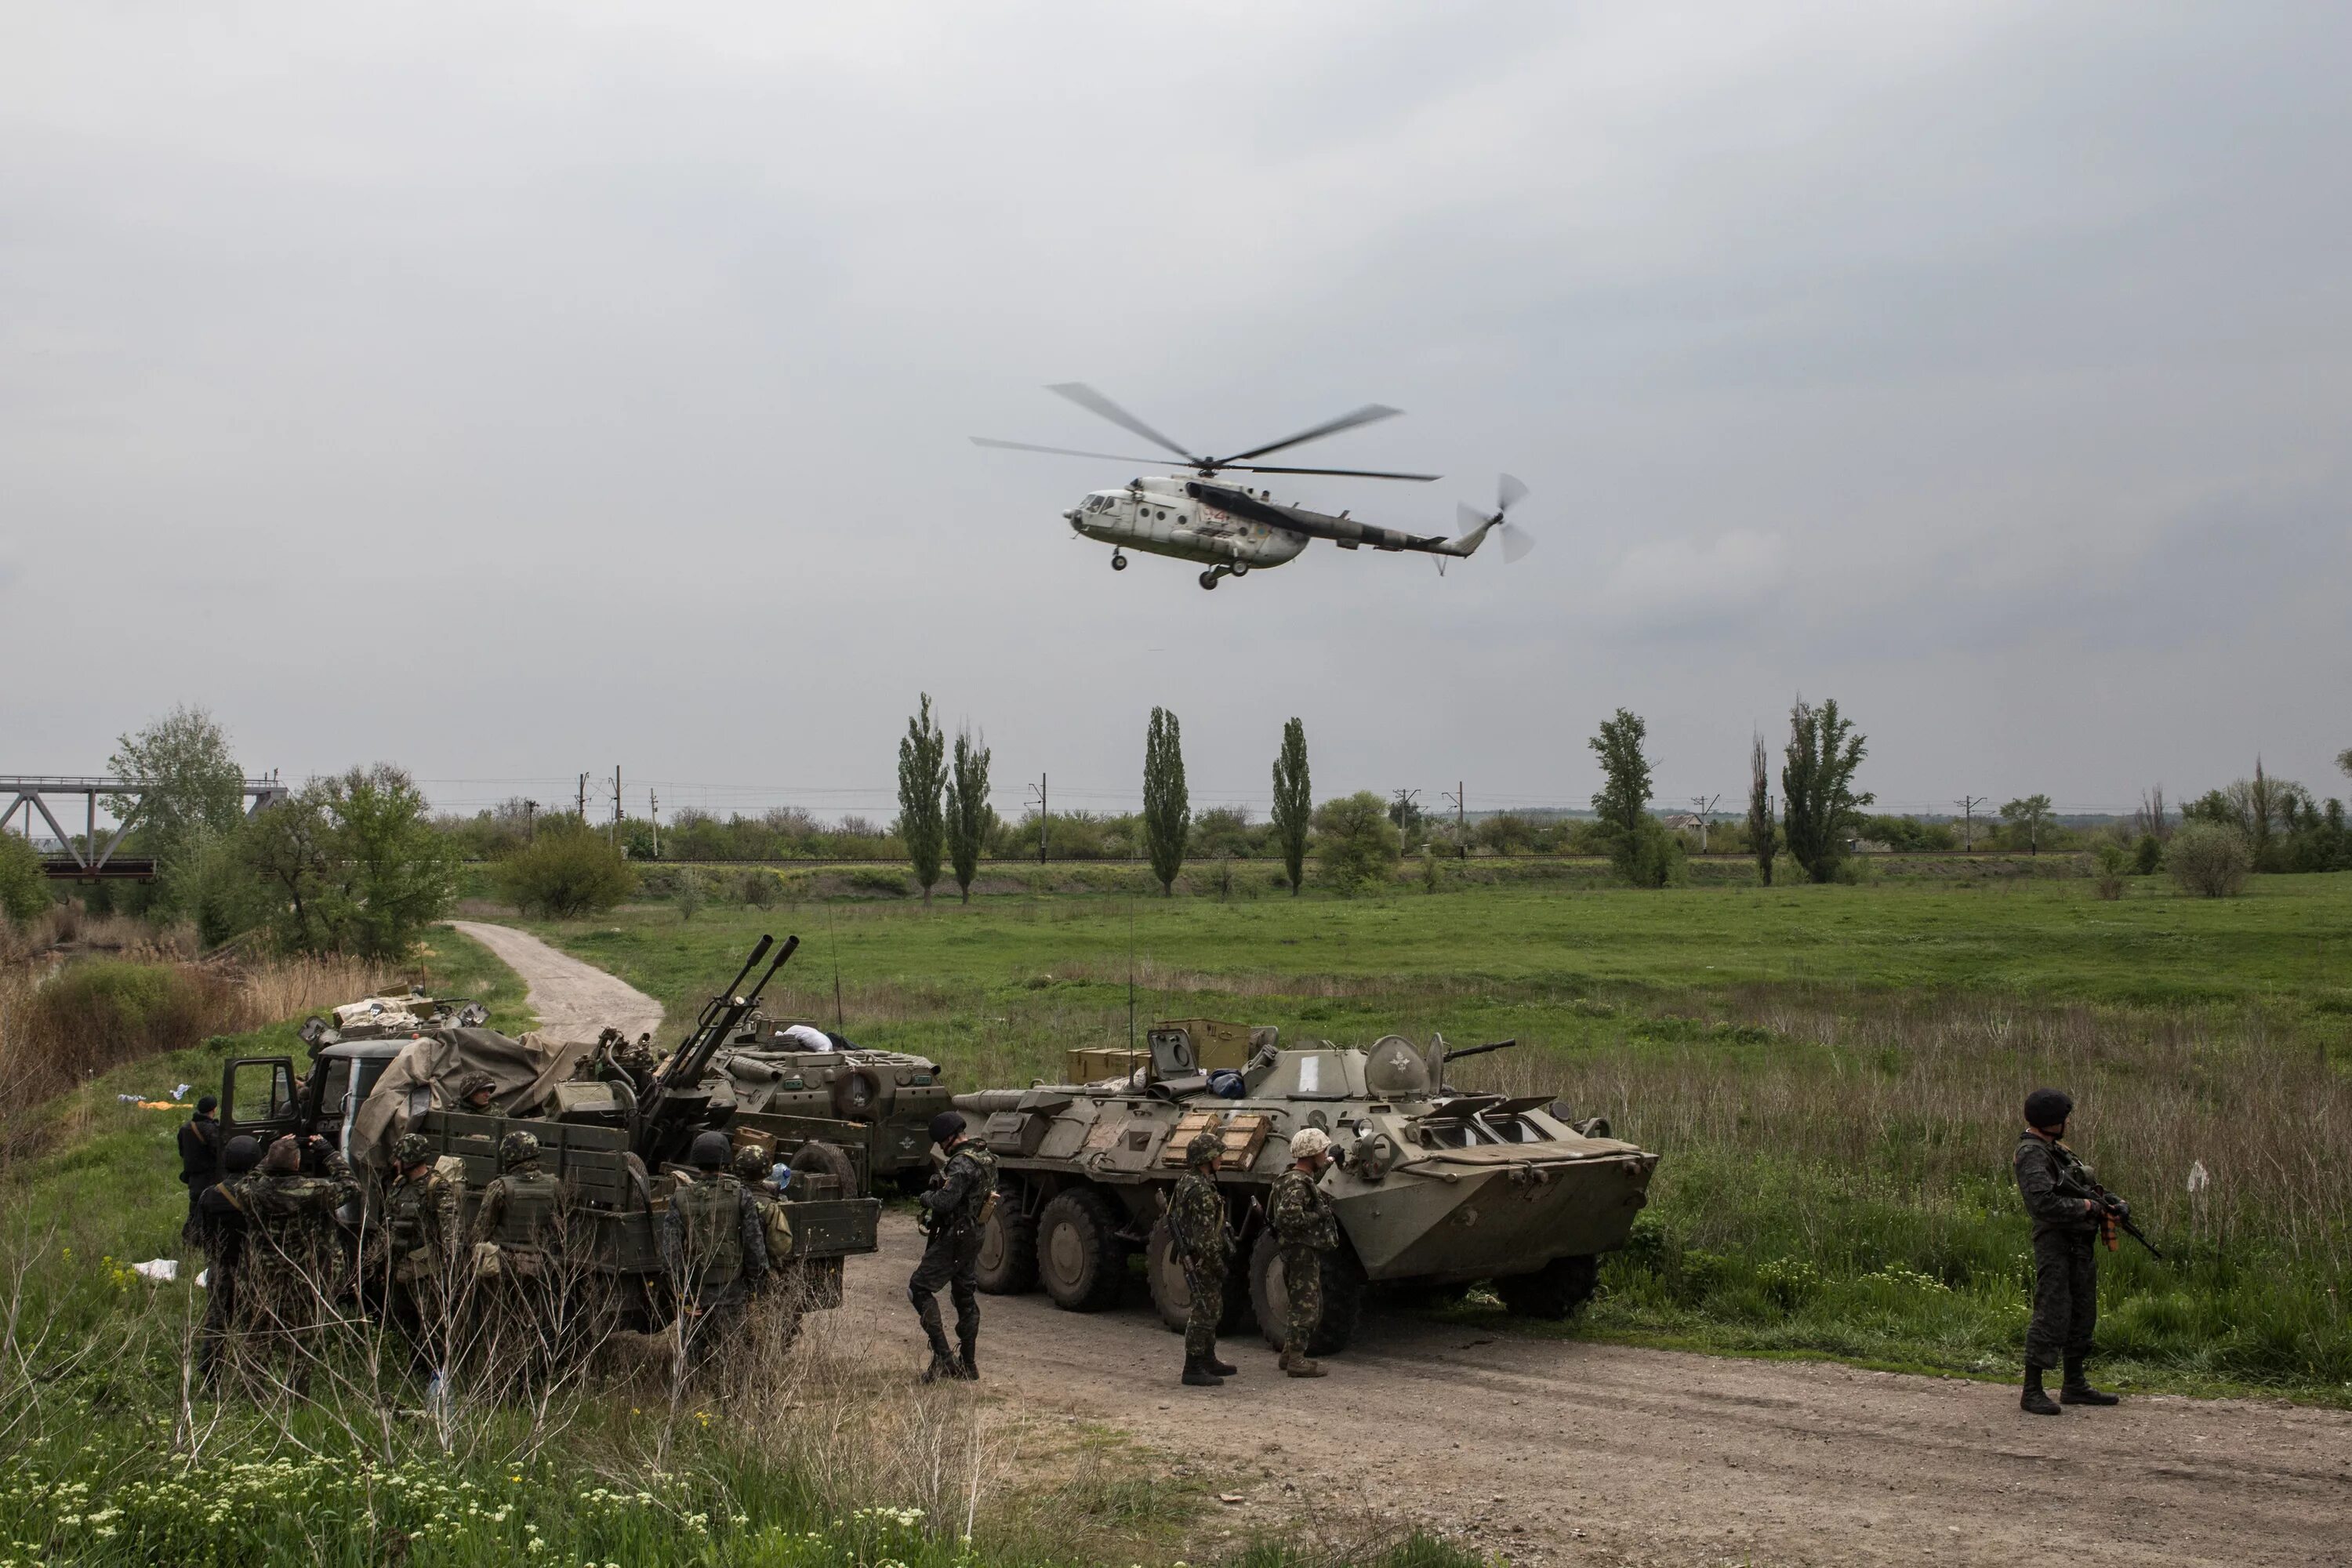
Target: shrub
1355	843
2210	859
760	887
1649	856
24	888
689	892
562	874
2147	856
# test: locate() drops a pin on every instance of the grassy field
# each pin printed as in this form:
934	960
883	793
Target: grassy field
1831	1073
825	1458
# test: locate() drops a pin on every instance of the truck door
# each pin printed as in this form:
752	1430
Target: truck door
257	1099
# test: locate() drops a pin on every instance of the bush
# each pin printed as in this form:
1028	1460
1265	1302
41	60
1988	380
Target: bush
760	887
1649	857
24	887
689	892
1355	843
563	874
2147	856
2210	859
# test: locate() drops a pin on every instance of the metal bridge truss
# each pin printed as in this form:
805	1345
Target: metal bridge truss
92	859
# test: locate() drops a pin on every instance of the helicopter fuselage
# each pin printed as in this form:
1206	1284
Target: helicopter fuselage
1156	517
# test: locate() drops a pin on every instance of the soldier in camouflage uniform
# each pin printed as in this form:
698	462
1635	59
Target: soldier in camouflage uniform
517	1242
295	1263
220	1230
954	1210
423	1226
1196	1224
1307	1230
477	1094
715	1247
2066	1225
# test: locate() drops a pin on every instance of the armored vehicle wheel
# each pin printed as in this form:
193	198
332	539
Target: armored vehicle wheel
1343	1297
821	1158
1008	1248
1172	1293
1080	1260
1553	1291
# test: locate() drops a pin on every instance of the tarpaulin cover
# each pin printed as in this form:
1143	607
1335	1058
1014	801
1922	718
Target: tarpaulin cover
424	1076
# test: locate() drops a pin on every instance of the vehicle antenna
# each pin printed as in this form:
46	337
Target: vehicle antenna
834	946
1130	974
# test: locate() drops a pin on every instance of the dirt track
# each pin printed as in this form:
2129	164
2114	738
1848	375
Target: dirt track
573	1000
1559	1452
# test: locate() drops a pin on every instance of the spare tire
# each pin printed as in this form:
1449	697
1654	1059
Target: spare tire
821	1158
856	1094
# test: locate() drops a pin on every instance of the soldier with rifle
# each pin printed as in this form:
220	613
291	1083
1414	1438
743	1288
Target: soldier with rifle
1196	1224
2070	1212
715	1247
1300	1214
955	1210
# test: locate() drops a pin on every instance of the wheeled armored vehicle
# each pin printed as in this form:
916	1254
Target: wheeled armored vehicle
1436	1188
879	1104
615	1146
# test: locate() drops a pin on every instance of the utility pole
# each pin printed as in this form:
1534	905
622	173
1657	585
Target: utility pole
583	800
1407	813
1044	821
1704	807
530	820
1461	818
653	810
1968	804
616	808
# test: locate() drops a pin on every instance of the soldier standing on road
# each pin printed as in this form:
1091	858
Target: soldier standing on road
714	1247
220	1230
422	1223
200	1153
2066	1223
295	1260
954	1211
1196	1224
1307	1230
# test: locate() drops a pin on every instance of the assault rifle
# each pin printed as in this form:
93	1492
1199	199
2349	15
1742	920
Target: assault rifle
2075	1178
675	1095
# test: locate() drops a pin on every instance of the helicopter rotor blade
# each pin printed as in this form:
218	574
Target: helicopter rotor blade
1516	542
1094	402
1067	452
1349	473
1469	516
1369	413
1508	493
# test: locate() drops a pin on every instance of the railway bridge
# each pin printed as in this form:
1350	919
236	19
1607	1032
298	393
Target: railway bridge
90	858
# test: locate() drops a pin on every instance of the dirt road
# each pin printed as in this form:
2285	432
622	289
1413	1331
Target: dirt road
573	1000
1554	1451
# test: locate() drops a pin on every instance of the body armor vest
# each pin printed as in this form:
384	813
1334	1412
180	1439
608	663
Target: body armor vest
528	1218
711	1209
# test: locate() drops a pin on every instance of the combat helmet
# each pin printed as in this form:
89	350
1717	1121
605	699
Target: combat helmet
475	1083
707	1152
751	1163
413	1149
516	1150
1208	1146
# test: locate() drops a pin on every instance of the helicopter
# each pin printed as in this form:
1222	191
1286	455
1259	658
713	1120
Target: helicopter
1235	529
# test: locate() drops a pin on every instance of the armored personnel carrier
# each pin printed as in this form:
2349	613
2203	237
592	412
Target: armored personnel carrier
789	1076
612	1140
1436	1189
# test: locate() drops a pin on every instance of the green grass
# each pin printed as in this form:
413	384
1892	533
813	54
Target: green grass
1830	1073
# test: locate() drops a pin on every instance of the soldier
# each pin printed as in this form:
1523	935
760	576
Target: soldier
954	1210
422	1223
476	1094
295	1260
200	1153
1196	1224
220	1230
1306	1228
2066	1224
715	1246
515	1240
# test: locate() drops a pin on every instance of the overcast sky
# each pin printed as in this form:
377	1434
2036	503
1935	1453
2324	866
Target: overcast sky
512	391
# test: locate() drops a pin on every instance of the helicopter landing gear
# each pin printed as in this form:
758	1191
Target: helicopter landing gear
1209	578
1118	562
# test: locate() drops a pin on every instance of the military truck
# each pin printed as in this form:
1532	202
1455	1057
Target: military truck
391	1017
614	1148
876	1104
1437	1188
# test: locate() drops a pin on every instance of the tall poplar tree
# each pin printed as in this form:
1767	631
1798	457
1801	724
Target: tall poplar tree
922	773
969	816
1763	834
1817	805
1293	803
1167	810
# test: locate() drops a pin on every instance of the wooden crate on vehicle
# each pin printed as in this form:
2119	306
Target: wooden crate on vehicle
1216	1044
1244	1133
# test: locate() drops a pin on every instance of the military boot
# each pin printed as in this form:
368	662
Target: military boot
2034	1402
1198	1375
1221	1368
1296	1364
967	1362
2077	1389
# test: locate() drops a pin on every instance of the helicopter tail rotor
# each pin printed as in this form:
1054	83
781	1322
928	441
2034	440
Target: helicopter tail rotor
1476	525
